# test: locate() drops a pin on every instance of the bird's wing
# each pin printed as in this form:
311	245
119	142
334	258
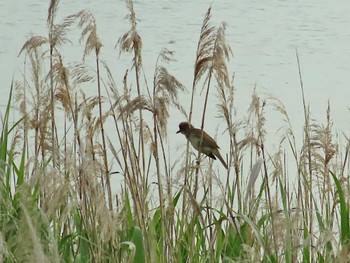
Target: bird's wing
209	141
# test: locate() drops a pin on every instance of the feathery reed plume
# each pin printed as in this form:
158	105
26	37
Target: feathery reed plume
56	38
216	53
88	23
323	149
225	91
38	115
165	93
93	44
52	42
33	43
51	12
220	53
211	56
201	64
132	42
205	48
256	109
131	171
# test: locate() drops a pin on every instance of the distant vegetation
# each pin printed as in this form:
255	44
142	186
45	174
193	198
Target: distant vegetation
57	201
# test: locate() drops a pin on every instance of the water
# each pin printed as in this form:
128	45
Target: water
263	34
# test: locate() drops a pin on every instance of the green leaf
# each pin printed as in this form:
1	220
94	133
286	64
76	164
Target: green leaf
138	241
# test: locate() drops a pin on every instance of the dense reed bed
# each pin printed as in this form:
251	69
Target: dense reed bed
58	159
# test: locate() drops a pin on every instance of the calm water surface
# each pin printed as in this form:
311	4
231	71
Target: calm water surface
263	34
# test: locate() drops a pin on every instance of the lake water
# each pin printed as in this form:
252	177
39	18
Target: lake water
264	36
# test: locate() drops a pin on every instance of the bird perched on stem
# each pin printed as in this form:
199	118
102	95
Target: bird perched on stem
209	146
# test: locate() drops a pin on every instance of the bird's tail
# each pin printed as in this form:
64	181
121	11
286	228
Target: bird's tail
217	154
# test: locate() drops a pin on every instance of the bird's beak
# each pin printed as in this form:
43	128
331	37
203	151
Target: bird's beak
178	131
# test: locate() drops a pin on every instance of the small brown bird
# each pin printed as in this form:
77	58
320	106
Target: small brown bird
209	146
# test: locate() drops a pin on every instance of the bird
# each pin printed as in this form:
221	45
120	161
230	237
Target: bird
209	146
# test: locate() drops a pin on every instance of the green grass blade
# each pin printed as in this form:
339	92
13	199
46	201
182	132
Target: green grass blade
344	213
306	249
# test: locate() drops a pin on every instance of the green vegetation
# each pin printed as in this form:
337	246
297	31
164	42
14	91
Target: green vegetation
57	200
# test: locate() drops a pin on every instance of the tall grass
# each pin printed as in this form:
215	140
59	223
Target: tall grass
58	202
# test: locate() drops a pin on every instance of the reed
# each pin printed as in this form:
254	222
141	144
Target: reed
58	199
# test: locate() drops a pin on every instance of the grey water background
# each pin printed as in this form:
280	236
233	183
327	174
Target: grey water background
264	36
